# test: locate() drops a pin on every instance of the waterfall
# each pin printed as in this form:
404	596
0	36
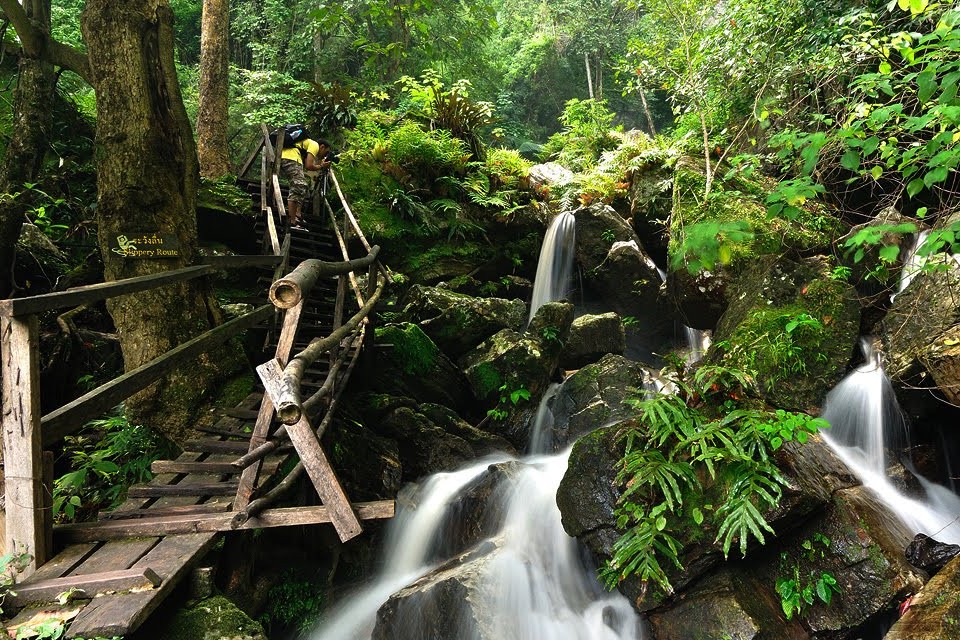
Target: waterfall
698	341
541	436
537	583
864	418
912	263
555	266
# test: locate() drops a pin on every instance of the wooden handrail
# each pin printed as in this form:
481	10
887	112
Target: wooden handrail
287	291
101	291
289	406
72	416
345	253
356	226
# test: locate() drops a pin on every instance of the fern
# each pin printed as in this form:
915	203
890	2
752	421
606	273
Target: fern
703	432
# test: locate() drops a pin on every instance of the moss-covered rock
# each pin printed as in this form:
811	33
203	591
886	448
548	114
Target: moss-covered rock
792	326
738	221
457	322
215	618
414	366
591	337
517	360
934	613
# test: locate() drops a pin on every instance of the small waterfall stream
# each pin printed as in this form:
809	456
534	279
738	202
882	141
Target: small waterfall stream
865	419
536	583
555	265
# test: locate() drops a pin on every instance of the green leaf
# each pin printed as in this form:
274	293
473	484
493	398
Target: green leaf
876	171
915	186
926	82
850	160
889	253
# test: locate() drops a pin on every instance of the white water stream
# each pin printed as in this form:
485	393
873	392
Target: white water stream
865	418
555	266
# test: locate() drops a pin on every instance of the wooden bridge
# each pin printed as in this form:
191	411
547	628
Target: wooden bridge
120	567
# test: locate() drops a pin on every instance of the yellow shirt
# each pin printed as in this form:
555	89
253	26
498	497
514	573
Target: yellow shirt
293	153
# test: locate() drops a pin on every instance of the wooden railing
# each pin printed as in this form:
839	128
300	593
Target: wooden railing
26	433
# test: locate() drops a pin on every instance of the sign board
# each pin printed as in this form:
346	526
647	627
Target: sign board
146	245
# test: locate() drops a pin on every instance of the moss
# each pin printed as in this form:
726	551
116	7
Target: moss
215	618
235	390
223	195
742	200
295	604
487	379
413	350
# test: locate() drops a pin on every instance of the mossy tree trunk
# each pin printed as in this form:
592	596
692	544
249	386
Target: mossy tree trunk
147	182
212	115
21	163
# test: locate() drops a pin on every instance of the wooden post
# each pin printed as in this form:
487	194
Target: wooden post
22	452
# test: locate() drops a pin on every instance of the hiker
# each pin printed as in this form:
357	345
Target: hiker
300	152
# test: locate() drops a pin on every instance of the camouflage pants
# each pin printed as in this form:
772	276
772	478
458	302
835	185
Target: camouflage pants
293	172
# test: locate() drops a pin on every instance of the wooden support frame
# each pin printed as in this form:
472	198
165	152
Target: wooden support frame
22	453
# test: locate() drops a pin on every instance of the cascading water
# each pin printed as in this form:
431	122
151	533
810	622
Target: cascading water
864	418
555	265
912	263
536	583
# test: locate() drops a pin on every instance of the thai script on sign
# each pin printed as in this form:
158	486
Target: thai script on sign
147	245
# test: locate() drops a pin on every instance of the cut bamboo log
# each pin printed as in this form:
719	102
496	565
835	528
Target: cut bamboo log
289	290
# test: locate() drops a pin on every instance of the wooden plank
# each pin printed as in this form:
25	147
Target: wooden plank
232	262
261	429
249	161
72	416
182	489
87	586
90	293
272	232
22	452
63	563
216	446
121	614
193	523
242	414
173	466
229	432
324	480
121	554
218	506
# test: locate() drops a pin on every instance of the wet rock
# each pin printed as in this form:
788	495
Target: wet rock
515	359
928	554
793	326
455	322
415	367
723	606
934	612
592	336
430	437
617	272
921	332
594	396
699	298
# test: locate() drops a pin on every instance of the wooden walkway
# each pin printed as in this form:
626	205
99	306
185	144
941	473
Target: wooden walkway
122	566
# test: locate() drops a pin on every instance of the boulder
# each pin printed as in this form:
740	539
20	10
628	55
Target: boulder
430	438
934	612
921	332
456	322
699	298
592	336
548	175
792	326
215	618
415	367
930	555
594	396
515	359
588	496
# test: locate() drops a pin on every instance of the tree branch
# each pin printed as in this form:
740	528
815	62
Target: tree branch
38	44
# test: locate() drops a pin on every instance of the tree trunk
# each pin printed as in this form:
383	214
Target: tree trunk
32	119
212	114
146	182
646	111
586	63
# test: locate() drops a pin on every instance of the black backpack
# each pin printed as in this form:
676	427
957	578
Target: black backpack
292	134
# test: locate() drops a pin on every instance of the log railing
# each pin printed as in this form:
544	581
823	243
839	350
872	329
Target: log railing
26	433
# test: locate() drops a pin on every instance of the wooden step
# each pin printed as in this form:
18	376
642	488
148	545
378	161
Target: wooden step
183	489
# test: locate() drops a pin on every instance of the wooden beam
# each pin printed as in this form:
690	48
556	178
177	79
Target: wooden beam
173	466
72	416
324	480
22	452
156	512
289	290
87	586
182	489
193	523
249	162
101	291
